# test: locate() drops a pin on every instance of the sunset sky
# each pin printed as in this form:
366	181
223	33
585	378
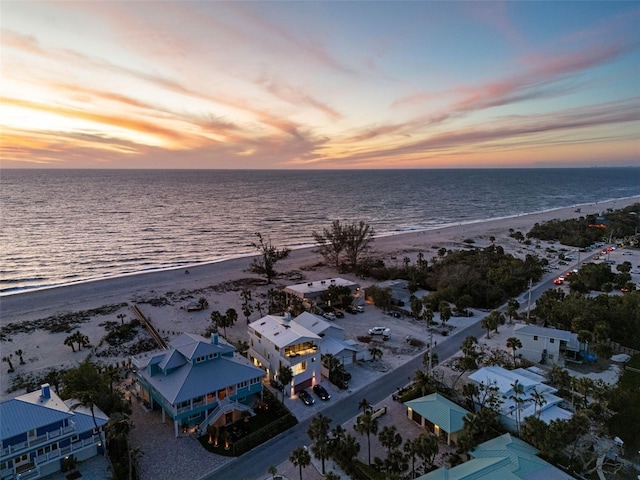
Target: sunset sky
146	84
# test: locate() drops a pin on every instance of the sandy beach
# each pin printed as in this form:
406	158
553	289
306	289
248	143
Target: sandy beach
163	293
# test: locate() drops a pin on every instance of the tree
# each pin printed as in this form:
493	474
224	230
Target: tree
514	343
267	259
259	306
121	316
358	241
364	405
410	447
416	307
285	376
428	315
518	392
445	312
7	359
367	425
273	470
228	320
512	309
422	380
19	353
319	433
332	242
216	319
300	458
375	352
203	302
491	321
70	342
427	447
538	400
390	439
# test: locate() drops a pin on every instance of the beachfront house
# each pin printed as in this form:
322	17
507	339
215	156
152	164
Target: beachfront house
198	382
400	293
276	341
503	457
535	399
439	415
546	345
41	434
310	293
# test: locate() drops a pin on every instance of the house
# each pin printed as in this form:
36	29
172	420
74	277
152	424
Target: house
309	293
276	341
546	345
501	458
197	382
40	432
332	340
536	398
438	414
400	293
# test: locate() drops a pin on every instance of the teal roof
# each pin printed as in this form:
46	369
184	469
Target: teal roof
502	458
440	411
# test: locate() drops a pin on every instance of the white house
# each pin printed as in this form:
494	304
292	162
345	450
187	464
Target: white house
276	341
545	345
505	380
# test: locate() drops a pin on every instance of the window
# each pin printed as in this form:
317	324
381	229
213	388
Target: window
552	340
535	338
313	359
299	368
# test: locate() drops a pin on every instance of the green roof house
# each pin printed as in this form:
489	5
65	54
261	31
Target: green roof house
438	414
502	458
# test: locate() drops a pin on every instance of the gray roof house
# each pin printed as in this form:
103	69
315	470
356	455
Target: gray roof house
546	345
197	382
39	430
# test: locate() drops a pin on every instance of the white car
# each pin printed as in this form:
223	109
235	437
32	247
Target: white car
329	315
359	308
379	331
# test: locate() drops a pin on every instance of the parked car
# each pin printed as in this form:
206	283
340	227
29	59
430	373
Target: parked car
339	313
379	331
359	309
395	314
340	383
350	309
321	392
306	397
329	315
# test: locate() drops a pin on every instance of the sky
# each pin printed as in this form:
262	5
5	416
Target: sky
319	85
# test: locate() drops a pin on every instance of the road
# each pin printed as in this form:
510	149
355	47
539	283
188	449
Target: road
255	463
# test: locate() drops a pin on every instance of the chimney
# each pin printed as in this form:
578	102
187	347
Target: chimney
45	390
287	317
214	338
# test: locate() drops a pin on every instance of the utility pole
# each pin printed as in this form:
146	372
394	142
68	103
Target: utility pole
529	302
430	353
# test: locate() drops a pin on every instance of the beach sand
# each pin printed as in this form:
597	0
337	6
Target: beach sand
163	296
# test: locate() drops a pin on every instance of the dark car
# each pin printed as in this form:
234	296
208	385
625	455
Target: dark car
306	397
350	309
321	392
339	313
276	384
340	383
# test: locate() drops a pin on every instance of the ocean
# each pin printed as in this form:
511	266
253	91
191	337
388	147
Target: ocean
64	226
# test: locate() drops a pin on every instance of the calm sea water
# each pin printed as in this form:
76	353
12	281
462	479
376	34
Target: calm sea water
65	226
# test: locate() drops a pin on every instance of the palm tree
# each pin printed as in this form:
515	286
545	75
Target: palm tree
512	309
364	405
375	352
367	424
7	359
203	302
273	470
19	353
319	433
331	476
121	316
229	319
428	315
285	376
538	400
514	343
445	312
390	438
70	342
411	447
427	447
518	391
422	380
300	458
259	306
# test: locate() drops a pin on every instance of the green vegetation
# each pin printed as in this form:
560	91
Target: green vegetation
624	423
344	245
268	256
587	230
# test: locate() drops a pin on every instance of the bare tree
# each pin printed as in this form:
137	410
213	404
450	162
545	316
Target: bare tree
268	257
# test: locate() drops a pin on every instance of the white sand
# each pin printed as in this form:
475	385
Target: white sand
44	350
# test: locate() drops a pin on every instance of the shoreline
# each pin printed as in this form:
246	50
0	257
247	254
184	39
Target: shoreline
35	303
379	238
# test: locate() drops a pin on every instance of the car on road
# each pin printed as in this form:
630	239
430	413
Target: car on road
359	309
306	397
379	331
321	392
558	281
395	314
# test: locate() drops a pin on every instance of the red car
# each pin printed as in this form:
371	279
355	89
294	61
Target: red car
557	281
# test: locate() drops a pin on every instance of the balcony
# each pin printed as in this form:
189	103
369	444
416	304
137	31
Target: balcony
39	440
301	350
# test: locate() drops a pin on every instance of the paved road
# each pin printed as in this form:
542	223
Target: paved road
254	464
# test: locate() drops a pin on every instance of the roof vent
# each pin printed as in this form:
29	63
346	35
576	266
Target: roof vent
310	284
